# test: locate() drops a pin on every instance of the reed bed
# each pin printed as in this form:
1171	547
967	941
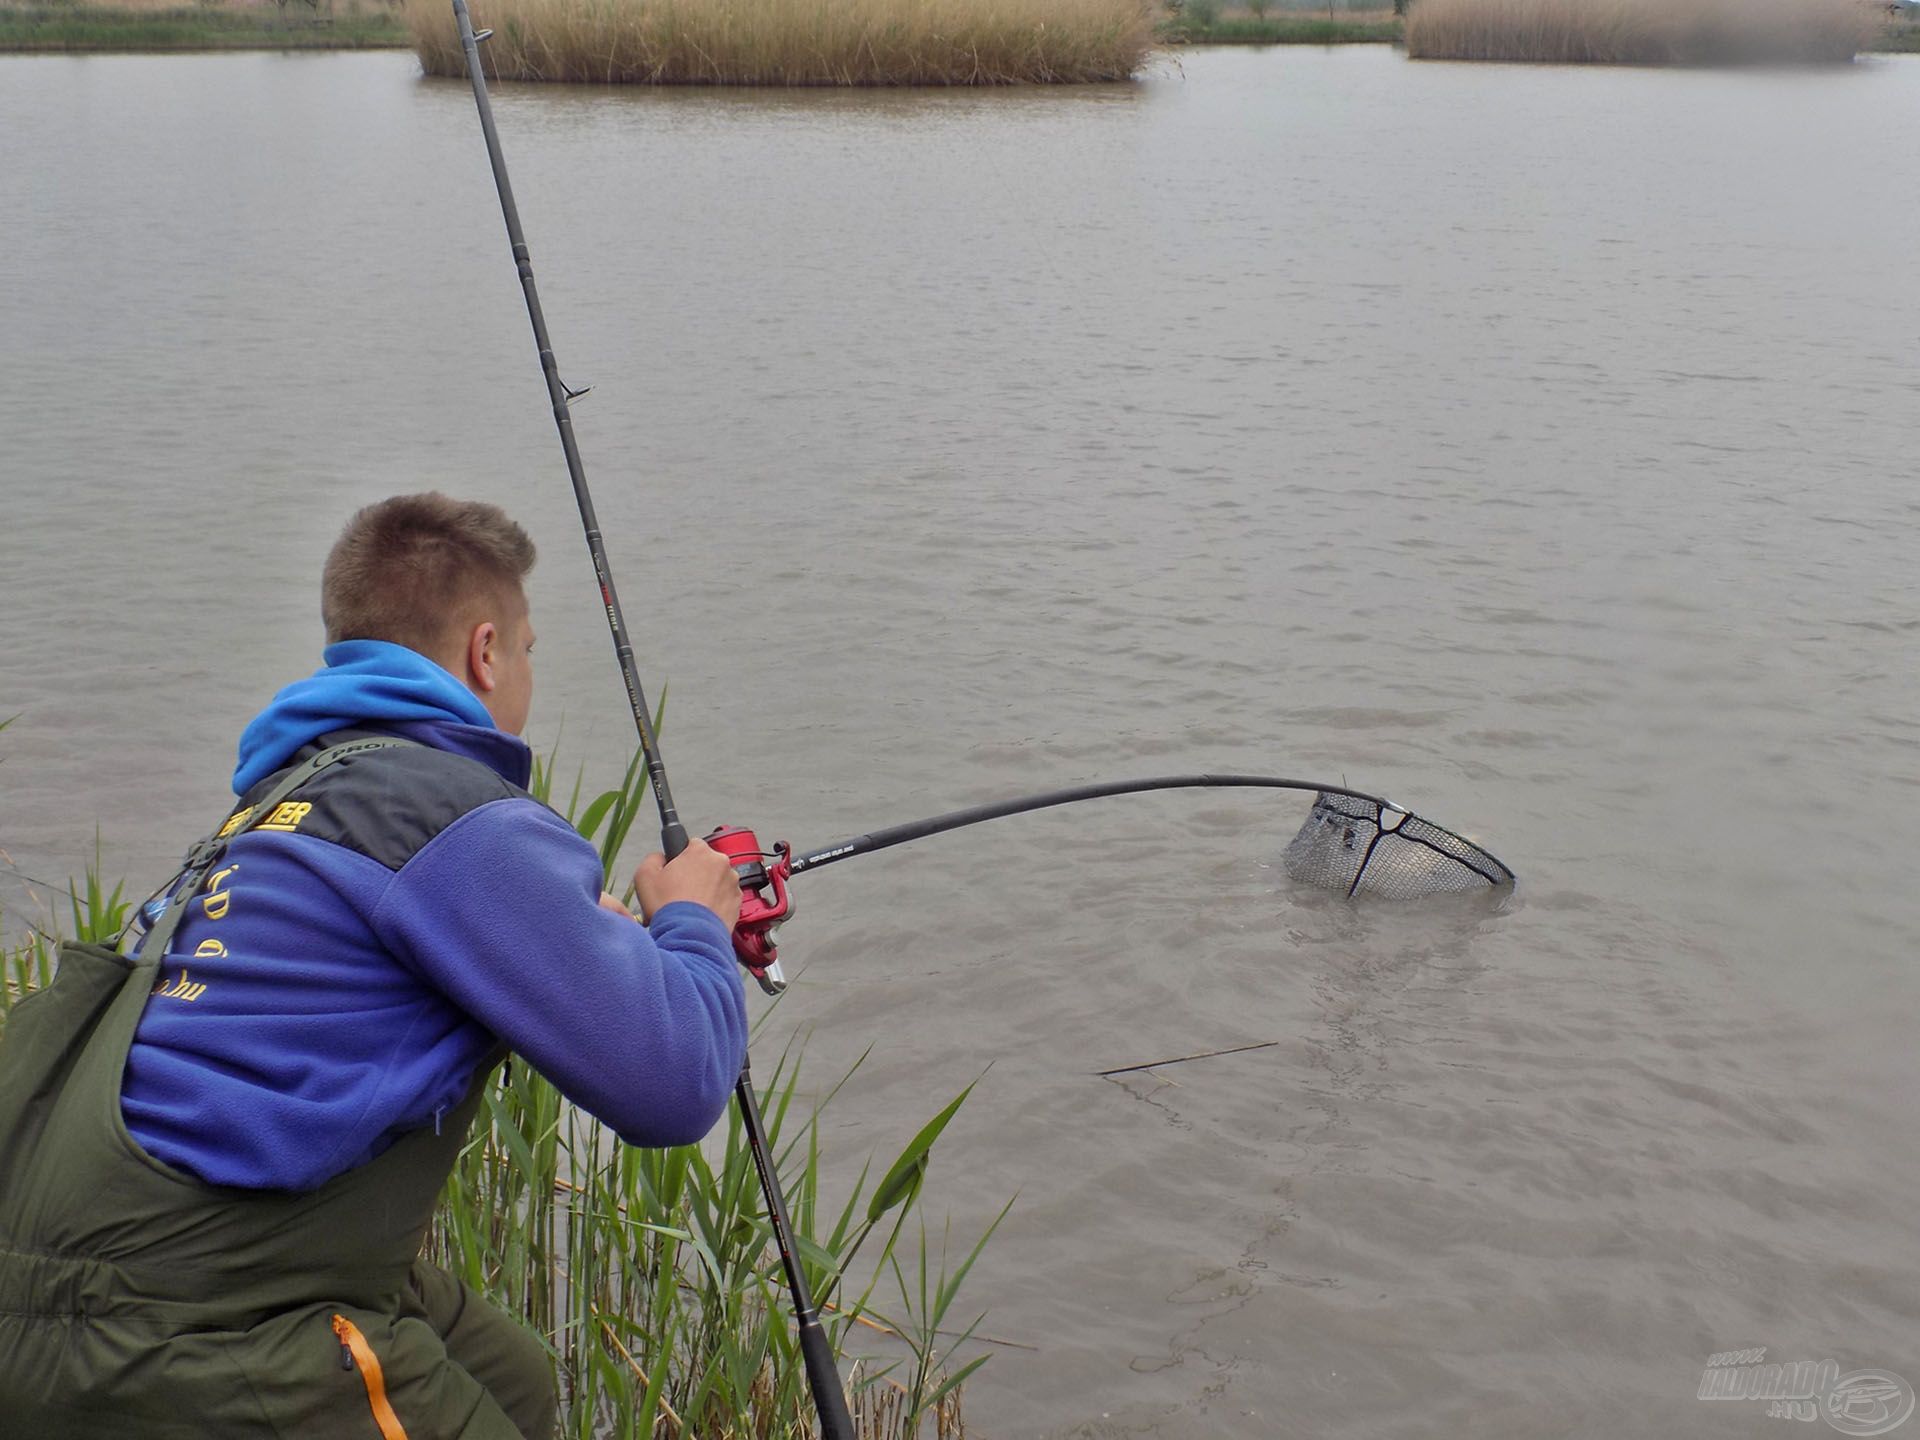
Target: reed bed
795	42
1644	32
651	1274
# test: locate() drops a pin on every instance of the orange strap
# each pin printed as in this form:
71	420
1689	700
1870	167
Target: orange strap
376	1380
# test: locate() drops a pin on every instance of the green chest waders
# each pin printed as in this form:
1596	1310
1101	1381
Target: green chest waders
139	1302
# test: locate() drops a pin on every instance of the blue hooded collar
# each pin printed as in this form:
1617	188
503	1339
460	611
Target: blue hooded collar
373	683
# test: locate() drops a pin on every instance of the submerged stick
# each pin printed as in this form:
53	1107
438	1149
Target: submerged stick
1183	1059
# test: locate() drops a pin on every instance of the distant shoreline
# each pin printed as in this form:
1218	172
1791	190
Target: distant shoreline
1307	27
106	29
1201	24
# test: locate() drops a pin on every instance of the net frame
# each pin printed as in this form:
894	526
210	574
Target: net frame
1362	845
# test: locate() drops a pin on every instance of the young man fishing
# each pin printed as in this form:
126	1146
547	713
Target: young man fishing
216	1167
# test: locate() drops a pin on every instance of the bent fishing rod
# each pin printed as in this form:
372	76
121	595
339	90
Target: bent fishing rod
1351	841
823	1378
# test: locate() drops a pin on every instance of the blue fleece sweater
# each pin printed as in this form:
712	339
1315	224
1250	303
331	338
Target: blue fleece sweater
335	999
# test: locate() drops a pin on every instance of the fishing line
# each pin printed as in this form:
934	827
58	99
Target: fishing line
17	873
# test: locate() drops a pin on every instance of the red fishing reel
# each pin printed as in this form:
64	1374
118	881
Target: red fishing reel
760	871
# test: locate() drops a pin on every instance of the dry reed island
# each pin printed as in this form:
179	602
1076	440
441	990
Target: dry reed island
795	42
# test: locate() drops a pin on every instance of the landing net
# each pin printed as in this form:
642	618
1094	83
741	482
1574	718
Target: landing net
1366	847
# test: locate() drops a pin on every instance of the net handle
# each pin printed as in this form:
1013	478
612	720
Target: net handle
882	839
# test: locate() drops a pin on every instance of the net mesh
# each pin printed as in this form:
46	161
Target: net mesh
1361	847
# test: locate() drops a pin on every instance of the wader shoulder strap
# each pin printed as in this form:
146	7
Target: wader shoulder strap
206	853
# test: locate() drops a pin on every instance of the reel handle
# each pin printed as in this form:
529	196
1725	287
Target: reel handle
760	912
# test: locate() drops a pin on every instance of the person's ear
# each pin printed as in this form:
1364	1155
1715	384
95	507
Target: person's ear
483	656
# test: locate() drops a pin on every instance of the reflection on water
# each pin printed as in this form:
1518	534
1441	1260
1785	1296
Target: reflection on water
1531	445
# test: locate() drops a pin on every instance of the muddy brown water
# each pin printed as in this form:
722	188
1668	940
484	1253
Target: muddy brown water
1533	445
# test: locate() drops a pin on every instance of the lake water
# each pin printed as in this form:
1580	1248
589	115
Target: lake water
1535	446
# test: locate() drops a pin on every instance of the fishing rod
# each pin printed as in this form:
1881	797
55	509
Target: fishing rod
823	1377
1351	841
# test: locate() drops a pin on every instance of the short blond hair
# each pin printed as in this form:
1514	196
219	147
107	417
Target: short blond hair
418	569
